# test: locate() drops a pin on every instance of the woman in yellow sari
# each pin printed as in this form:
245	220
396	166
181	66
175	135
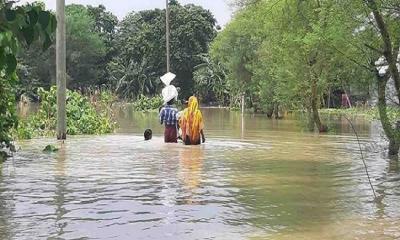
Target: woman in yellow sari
191	123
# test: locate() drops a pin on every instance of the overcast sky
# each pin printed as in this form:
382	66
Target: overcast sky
219	8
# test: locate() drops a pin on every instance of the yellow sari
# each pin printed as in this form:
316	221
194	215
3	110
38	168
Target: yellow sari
191	122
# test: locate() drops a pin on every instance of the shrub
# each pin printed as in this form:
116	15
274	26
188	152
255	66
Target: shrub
82	116
144	103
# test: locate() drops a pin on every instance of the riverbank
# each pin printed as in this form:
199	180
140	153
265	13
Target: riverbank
368	113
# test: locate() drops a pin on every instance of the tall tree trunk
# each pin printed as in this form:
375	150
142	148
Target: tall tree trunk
329	98
391	55
392	133
314	106
388	51
276	110
310	123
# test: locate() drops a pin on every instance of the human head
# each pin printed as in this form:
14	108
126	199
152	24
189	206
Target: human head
193	103
171	102
148	134
168	93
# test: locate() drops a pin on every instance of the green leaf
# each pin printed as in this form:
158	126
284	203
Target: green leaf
11	15
44	19
47	42
11	62
2	62
33	17
52	24
36	32
29	34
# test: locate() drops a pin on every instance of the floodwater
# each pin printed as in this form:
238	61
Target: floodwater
253	179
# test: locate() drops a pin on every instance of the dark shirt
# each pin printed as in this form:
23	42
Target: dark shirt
168	115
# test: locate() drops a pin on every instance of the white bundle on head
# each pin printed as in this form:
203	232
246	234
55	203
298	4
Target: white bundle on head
169	92
167	78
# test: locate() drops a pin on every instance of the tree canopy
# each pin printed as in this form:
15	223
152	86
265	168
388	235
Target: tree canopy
141	51
295	54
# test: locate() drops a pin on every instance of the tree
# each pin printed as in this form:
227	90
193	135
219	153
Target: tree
372	31
304	49
139	54
236	49
210	81
391	46
133	79
85	48
19	26
87	56
105	24
141	37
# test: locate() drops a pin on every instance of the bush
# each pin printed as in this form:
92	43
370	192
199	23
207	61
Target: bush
82	116
368	113
144	103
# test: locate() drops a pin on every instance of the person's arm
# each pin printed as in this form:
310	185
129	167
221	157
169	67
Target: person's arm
162	113
203	138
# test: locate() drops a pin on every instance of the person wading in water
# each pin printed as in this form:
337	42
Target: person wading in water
168	118
168	113
191	123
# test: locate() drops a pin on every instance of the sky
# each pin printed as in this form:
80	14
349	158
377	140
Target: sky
120	8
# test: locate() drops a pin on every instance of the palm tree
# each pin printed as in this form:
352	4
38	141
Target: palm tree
133	79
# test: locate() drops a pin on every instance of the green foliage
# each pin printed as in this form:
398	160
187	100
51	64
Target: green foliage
88	37
19	26
85	48
369	113
104	23
145	104
210	81
133	79
236	49
130	56
82	116
140	44
292	53
50	149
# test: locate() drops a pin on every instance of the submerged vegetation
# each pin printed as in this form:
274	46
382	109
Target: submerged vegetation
83	116
144	103
369	113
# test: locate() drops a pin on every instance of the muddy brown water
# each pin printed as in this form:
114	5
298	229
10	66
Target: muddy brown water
252	179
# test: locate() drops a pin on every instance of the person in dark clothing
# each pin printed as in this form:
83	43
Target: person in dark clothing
168	118
148	134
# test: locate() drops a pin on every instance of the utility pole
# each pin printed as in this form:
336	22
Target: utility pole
243	102
167	34
61	71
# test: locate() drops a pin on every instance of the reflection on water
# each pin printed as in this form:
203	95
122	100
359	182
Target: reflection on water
61	189
270	181
190	171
